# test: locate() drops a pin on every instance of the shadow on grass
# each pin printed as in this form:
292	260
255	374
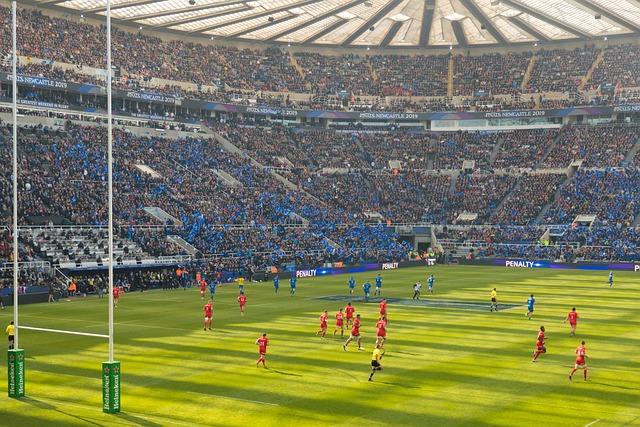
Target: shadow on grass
614	385
49	407
137	420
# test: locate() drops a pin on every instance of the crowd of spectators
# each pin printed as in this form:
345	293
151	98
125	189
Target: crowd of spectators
619	67
478	193
571	243
532	193
560	70
418	75
613	195
489	74
141	58
597	146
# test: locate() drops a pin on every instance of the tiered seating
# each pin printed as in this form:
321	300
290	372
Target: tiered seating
88	244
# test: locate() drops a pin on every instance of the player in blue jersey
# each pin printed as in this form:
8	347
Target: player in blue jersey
212	288
430	282
378	290
611	279
366	288
293	283
530	303
276	283
352	285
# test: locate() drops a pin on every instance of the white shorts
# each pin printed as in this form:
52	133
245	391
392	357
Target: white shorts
206	319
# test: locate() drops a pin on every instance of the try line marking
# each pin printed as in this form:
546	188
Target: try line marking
592	423
258	402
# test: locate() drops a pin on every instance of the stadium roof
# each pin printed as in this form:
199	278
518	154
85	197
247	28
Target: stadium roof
385	23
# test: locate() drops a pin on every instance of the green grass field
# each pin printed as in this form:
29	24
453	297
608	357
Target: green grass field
442	366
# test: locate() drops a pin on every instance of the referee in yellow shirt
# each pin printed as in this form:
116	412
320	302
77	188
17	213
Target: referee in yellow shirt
376	357
11	332
494	300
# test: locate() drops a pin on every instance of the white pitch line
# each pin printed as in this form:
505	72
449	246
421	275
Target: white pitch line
146	416
60	331
258	402
592	423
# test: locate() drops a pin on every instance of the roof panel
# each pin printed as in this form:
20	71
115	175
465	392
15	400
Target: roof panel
239	18
624	8
575	16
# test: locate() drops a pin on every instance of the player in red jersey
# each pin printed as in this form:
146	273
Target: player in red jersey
116	295
324	320
355	334
262	343
381	331
339	323
540	347
572	317
349	310
581	362
383	307
203	288
208	314
242	300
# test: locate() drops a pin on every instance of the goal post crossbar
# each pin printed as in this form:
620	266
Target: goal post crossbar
62	331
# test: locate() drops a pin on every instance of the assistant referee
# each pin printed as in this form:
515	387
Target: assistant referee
11	332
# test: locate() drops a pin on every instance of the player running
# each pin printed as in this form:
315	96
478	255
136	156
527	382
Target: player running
381	331
212	289
339	323
324	320
416	290
242	300
203	288
116	296
581	363
530	303
351	284
540	347
208	314
494	300
376	357
378	290
262	343
276	284
355	334
367	289
572	317
611	279
383	308
293	283
349	310
430	282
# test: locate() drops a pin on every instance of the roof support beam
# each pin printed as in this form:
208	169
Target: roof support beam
261	26
519	22
427	18
331	28
119	6
459	33
195	8
173	23
477	13
256	15
612	16
548	19
391	34
375	18
318	18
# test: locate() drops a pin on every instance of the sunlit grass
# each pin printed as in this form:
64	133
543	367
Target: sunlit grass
442	366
